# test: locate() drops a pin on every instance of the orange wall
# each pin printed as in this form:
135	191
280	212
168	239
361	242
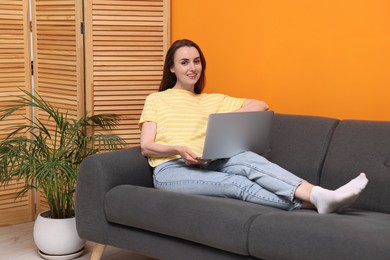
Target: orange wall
329	58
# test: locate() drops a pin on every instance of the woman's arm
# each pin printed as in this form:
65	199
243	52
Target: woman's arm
253	105
150	148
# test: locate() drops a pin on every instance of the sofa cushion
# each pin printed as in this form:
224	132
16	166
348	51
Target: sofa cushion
361	146
299	144
305	234
217	222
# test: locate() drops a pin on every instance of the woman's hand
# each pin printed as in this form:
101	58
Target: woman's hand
253	105
189	156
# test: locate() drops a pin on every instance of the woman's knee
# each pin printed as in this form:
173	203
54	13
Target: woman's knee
247	156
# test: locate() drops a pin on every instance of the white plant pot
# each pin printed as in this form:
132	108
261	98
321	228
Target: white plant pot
57	238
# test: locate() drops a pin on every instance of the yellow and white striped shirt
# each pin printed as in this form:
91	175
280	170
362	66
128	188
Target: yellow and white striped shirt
181	117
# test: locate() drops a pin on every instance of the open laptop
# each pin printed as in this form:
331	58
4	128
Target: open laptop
228	134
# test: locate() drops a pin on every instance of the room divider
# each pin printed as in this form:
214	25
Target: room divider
90	56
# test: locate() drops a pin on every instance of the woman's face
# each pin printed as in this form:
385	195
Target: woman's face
187	67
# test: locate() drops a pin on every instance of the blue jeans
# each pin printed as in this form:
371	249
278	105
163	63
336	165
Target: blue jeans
246	176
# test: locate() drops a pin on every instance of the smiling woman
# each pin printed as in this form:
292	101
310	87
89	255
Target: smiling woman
173	129
187	56
187	68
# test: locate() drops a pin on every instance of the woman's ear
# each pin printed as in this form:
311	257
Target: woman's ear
172	69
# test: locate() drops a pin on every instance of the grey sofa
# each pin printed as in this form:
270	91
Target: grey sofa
117	205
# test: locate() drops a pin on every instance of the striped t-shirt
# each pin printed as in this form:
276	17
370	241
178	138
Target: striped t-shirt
181	117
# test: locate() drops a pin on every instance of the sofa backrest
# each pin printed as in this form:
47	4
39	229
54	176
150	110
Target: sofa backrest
299	144
361	146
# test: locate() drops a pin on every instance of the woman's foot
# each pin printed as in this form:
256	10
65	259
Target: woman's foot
328	201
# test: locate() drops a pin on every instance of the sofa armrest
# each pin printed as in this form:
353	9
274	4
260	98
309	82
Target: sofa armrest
97	175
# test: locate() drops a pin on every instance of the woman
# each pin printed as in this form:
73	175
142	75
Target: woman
173	127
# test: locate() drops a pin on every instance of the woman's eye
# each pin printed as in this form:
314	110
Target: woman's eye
184	62
197	61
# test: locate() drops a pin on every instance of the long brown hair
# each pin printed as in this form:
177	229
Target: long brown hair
169	79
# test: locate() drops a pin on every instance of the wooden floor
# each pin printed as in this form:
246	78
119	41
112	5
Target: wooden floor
16	243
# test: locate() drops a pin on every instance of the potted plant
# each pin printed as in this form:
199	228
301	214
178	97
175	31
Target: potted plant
47	159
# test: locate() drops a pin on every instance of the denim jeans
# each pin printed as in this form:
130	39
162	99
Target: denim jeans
246	176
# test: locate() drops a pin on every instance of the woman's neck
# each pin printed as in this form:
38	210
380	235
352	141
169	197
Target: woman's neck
189	88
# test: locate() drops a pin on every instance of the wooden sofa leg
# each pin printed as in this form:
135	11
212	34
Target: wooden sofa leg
97	252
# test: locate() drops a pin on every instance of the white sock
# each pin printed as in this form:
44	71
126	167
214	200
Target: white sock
328	201
356	184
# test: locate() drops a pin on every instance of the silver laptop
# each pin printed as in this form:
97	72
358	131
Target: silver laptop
228	134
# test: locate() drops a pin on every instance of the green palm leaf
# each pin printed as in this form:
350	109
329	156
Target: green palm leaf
48	159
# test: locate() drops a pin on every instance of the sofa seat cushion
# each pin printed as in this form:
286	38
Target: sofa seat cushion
217	222
304	234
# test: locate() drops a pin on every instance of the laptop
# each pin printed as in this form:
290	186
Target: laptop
228	134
